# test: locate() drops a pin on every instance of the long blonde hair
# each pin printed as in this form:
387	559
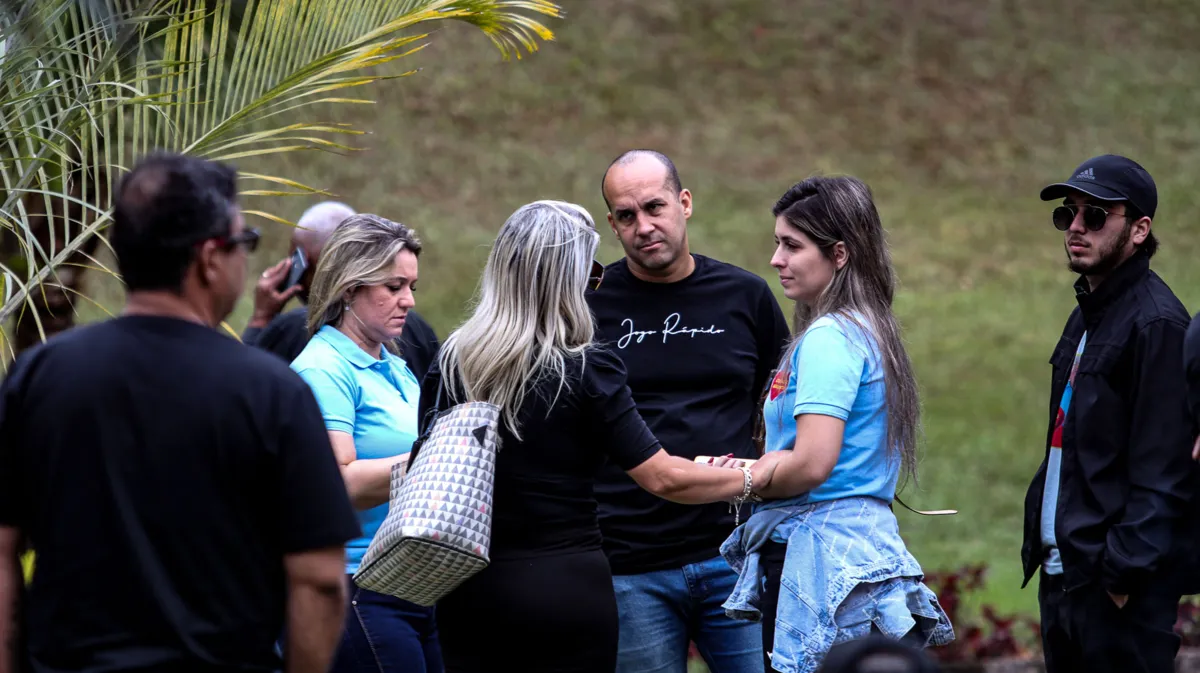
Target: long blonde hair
530	314
360	252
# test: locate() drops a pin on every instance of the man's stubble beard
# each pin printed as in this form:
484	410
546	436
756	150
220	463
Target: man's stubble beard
1109	258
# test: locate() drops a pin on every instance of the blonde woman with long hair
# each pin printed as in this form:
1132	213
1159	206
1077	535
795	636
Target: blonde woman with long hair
361	294
546	602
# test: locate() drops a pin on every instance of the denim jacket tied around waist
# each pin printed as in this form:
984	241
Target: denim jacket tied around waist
846	568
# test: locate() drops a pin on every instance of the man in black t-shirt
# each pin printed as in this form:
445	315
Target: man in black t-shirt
178	488
286	334
699	338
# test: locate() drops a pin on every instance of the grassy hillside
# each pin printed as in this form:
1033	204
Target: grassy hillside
956	113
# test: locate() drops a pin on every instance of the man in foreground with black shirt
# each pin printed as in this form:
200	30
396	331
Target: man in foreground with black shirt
286	334
699	338
178	488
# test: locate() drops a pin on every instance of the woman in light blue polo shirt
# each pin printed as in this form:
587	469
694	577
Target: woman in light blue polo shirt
361	293
821	558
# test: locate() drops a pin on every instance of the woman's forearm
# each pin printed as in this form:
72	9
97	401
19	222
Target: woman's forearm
689	483
369	481
788	474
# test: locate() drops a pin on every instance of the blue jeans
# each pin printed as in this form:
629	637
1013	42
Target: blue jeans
384	634
661	611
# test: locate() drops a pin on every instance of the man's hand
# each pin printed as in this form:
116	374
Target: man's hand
1196	449
1120	600
267	300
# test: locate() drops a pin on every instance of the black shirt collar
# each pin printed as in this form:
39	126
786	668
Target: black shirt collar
1129	272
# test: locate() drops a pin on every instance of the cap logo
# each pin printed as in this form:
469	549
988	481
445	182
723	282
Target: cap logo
1086	174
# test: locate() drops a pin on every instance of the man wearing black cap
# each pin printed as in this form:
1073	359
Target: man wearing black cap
1106	514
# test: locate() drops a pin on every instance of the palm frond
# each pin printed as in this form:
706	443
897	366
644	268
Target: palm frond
87	86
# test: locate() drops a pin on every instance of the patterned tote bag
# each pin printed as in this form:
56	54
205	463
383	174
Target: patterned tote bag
438	527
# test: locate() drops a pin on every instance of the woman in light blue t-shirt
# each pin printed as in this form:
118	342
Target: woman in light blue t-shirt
841	420
361	293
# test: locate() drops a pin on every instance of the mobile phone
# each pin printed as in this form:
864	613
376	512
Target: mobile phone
299	265
743	462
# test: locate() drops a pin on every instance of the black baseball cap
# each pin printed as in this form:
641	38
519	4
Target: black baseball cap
1110	177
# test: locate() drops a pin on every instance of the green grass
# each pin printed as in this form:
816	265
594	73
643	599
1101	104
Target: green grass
955	113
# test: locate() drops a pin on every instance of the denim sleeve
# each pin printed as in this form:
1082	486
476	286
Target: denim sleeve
829	369
336	393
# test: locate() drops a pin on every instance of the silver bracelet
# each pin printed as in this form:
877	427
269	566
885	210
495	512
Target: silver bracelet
747	493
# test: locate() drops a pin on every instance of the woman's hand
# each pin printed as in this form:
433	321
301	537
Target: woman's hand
726	460
763	470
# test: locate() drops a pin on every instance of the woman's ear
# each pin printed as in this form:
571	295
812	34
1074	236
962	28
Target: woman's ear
841	256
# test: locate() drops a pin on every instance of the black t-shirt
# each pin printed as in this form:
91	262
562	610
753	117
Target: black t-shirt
161	471
699	353
543	501
287	334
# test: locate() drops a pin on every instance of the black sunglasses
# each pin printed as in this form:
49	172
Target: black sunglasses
1094	217
595	276
247	239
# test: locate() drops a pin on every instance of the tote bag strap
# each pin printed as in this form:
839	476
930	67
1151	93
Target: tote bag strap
427	422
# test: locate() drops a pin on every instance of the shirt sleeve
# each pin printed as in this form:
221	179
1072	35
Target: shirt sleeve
336	394
616	421
317	512
828	371
285	336
250	335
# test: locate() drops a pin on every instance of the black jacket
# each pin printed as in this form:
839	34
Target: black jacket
1191	362
1125	492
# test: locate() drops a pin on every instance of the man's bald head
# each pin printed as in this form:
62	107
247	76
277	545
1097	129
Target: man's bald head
316	225
631	157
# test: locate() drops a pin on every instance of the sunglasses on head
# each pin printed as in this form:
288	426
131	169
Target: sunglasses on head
1094	216
595	276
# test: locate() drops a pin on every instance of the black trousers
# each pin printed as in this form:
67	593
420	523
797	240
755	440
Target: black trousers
771	557
1084	630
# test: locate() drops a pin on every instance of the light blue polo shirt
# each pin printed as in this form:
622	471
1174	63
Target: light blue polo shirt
372	400
836	371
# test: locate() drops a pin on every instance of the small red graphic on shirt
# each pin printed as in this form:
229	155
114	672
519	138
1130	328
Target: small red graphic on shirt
778	385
